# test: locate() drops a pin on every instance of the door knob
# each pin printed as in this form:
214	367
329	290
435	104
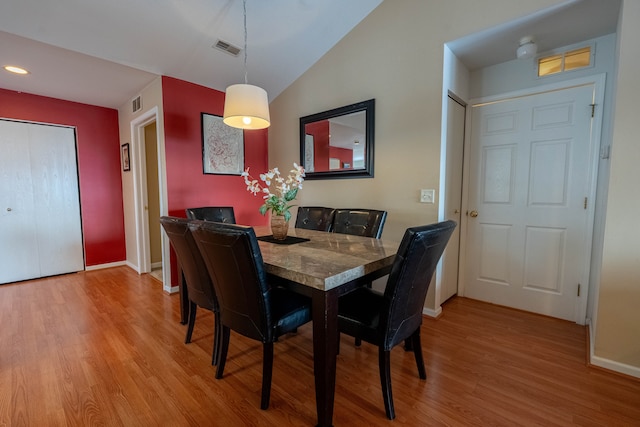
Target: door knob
473	214
457	211
8	209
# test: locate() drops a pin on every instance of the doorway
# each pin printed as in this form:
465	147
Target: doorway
531	197
150	195
452	203
153	199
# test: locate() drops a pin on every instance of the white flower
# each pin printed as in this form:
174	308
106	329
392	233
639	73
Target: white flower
277	196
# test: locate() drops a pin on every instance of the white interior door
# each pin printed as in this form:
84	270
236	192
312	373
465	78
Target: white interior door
40	219
529	222
453	196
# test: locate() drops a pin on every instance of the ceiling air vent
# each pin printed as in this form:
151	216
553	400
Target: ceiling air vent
227	47
136	104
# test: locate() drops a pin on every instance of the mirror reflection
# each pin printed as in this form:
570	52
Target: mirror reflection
338	143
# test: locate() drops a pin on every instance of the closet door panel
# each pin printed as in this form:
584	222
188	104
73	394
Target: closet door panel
18	240
56	199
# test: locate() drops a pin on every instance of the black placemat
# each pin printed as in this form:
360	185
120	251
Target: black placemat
289	240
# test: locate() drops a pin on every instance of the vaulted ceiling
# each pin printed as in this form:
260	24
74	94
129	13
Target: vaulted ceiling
104	52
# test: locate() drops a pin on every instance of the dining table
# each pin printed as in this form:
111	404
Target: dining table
322	265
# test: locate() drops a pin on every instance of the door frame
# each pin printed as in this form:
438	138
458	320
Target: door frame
140	193
598	80
446	192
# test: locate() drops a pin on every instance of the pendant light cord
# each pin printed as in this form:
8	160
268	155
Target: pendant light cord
244	6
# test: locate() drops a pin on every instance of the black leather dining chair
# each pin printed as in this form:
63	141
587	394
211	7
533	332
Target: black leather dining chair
315	218
359	222
201	292
388	319
249	305
212	213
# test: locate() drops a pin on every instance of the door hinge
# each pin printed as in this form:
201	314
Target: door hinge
585	202
578	289
593	109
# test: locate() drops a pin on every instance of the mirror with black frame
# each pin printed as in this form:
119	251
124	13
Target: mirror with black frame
338	143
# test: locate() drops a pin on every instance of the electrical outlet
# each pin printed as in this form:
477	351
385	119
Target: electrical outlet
427	196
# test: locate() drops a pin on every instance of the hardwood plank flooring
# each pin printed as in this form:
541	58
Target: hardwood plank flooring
105	348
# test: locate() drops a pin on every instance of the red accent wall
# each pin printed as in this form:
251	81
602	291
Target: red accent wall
98	166
320	132
345	155
187	185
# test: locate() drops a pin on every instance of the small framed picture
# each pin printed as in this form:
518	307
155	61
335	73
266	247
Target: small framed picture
222	147
126	160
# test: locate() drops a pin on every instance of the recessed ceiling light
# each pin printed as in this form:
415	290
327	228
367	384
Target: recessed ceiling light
16	70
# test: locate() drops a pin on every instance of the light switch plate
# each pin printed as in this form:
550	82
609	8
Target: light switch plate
427	196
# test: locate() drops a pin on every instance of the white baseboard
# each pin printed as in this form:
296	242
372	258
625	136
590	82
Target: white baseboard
134	267
608	364
156	265
108	265
432	313
612	365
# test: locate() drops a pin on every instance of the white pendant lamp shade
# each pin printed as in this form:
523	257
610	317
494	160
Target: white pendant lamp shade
527	48
246	107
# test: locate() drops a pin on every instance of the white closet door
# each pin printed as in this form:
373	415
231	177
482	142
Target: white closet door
40	219
18	242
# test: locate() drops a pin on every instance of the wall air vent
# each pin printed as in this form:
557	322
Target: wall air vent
136	104
227	47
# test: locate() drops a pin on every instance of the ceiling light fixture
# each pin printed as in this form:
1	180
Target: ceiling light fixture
246	106
15	70
527	48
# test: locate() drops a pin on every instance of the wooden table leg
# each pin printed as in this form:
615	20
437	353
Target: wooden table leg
325	341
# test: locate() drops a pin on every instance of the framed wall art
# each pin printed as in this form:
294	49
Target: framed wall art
126	160
222	147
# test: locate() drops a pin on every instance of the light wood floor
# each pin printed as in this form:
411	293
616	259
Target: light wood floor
106	348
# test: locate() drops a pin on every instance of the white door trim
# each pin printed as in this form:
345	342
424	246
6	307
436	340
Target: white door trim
140	193
598	80
446	191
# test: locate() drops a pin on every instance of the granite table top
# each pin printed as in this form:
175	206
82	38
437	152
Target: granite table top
327	260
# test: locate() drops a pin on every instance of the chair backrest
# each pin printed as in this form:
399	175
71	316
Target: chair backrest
359	222
408	283
315	218
212	213
198	281
234	261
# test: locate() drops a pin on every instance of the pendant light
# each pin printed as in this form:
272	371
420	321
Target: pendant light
246	106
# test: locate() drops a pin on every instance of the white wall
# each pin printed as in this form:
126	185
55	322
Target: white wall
151	98
395	55
617	324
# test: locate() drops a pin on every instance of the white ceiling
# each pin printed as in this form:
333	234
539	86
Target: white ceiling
104	52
